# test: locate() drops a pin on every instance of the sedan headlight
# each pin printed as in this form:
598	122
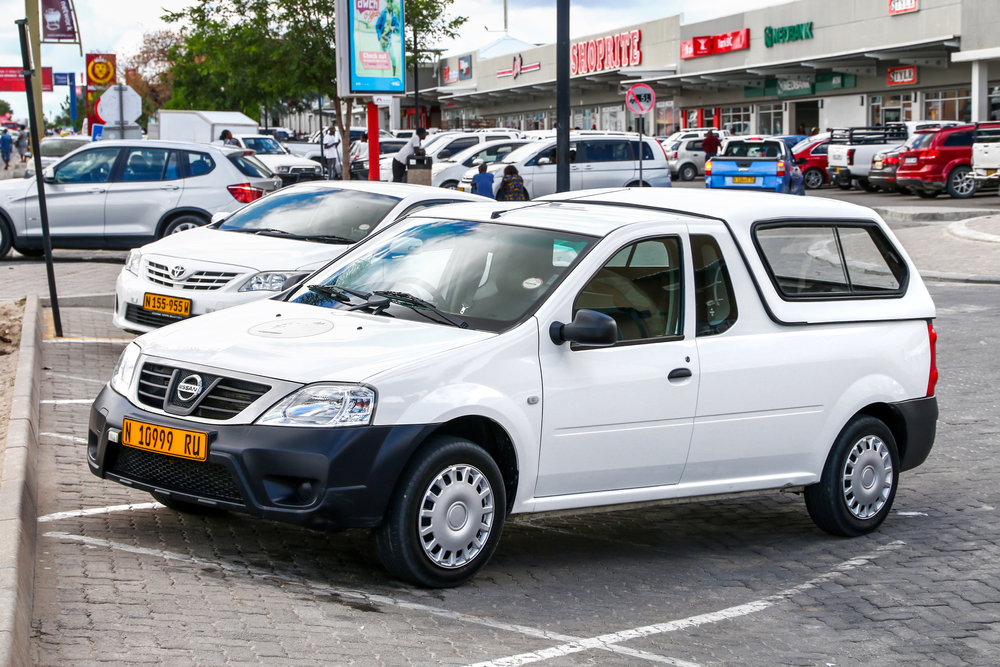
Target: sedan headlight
121	379
284	170
323	405
132	262
267	281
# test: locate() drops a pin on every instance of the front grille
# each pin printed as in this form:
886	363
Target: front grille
149	318
202	281
199	478
224	401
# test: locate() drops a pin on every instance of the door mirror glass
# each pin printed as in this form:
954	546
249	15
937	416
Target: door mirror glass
588	328
220	216
544	160
444	155
477	162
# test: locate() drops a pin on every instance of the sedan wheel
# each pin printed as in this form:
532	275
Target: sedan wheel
182	224
813	179
689	172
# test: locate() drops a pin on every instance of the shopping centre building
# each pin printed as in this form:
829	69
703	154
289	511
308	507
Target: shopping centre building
778	70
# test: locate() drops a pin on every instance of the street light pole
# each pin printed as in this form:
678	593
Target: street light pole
562	95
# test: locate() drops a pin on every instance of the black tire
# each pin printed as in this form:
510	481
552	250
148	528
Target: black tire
813	179
31	252
6	238
689	172
903	191
450	185
867	185
398	541
183	506
927	194
844	185
960	184
182	223
840	503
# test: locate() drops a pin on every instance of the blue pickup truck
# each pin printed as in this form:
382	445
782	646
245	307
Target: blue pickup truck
755	164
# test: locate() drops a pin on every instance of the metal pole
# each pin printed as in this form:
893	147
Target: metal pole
36	154
373	149
72	99
121	111
416	79
322	128
562	95
640	121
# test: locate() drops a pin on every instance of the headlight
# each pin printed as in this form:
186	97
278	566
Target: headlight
132	262
284	170
268	281
323	405
125	369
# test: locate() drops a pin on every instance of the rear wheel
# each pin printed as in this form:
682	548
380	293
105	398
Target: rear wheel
867	185
961	184
446	515
927	194
844	185
182	224
813	179
855	493
450	185
6	239
688	172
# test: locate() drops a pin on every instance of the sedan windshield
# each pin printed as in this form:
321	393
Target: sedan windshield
264	145
486	276
314	213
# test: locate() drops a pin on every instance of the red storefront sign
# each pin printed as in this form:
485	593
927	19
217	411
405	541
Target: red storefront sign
696	47
12	80
609	52
902	7
902	76
102	71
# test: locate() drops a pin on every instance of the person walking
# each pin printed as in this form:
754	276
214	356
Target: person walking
22	144
331	151
6	144
710	144
512	186
411	147
482	183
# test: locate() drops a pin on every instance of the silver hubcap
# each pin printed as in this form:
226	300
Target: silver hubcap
183	227
963	183
456	516
814	179
867	477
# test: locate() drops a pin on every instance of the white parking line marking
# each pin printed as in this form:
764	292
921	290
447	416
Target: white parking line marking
71	438
73	377
352	594
65	401
97	510
605	641
912	513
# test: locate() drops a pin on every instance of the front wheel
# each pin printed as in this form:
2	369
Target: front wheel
450	185
6	239
446	516
813	179
689	172
855	493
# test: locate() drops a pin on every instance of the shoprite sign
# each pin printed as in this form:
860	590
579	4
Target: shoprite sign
604	53
790	33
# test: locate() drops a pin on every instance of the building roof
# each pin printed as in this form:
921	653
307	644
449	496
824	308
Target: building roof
504	46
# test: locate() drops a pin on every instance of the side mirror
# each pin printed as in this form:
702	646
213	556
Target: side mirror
292	281
220	216
444	155
543	160
588	328
477	162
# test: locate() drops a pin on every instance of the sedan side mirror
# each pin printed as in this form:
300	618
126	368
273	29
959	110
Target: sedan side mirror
477	162
544	160
588	328
220	216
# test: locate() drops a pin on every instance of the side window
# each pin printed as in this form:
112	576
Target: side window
715	304
959	138
199	164
462	144
496	137
816	261
695	146
550	154
640	287
173	170
145	164
822	149
90	167
647	151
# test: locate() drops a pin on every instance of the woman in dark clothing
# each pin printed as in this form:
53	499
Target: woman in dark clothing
512	186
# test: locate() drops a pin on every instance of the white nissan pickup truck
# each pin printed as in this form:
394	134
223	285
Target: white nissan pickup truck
986	154
589	350
849	158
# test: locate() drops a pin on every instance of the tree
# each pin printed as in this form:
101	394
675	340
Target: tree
62	119
147	70
4	108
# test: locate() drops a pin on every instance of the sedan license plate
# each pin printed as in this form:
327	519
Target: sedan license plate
191	445
744	179
910	160
166	304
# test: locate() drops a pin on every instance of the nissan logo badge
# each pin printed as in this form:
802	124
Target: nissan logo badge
189	388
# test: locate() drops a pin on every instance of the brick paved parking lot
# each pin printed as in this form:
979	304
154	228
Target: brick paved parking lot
749	581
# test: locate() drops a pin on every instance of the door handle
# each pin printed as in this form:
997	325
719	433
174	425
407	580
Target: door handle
170	187
679	374
96	191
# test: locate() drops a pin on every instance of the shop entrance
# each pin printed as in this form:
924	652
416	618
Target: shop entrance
807	116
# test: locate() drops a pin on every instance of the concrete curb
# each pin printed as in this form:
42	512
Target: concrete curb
19	496
960	228
930	214
82	301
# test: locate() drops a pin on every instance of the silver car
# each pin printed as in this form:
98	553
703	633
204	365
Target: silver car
117	195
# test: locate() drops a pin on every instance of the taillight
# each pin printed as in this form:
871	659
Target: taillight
850	156
675	155
891	160
928	155
932	378
781	168
708	167
245	193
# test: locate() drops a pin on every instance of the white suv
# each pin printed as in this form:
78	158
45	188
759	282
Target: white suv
600	349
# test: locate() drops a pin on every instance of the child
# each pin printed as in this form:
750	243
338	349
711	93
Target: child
512	186
482	183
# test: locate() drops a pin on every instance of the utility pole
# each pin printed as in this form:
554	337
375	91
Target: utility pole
416	78
562	95
34	37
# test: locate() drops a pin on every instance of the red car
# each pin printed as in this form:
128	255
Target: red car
813	151
938	160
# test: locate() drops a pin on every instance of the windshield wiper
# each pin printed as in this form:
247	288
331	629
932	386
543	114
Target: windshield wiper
327	238
339	293
270	230
416	303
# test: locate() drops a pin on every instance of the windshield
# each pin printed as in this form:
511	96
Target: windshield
263	145
250	166
524	152
486	274
314	212
919	140
756	149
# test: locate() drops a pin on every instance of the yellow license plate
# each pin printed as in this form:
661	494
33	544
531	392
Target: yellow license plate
990	172
744	179
162	440
166	304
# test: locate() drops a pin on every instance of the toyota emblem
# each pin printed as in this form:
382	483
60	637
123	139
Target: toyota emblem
177	272
189	388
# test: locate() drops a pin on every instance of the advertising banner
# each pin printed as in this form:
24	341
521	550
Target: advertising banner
102	70
370	49
450	74
902	76
897	7
465	68
696	47
12	80
731	41
58	21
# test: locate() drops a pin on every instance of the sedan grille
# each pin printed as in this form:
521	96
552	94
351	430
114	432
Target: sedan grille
199	478
149	318
226	398
202	281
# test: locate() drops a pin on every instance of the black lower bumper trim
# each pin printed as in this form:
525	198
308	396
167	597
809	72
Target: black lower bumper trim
919	417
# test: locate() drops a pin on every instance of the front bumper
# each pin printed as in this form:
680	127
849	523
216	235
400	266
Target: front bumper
318	478
300	177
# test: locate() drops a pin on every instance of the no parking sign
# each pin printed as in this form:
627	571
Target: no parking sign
640	98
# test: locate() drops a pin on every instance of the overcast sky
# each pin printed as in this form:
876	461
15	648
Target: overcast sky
116	26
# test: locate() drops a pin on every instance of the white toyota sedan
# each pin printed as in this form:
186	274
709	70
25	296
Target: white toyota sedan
259	250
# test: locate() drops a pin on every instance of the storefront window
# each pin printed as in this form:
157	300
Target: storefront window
736	120
887	109
948	105
666	120
692	118
770	119
613	119
994	111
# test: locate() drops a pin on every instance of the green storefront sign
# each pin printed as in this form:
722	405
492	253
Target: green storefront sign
790	33
824	82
